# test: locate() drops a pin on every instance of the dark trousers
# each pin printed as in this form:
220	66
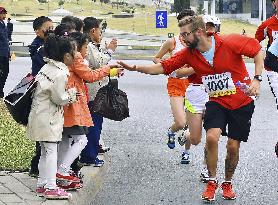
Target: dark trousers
35	160
90	152
4	72
10	36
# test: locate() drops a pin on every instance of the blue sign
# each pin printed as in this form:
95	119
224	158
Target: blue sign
161	19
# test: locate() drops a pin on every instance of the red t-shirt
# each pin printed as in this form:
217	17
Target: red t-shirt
268	28
227	58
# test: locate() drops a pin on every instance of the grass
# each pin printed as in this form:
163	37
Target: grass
142	23
16	150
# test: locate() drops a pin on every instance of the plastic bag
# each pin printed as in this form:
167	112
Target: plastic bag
19	100
111	102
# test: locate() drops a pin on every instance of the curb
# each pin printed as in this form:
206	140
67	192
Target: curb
19	188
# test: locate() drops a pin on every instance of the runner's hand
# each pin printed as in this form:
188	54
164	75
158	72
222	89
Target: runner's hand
254	88
126	66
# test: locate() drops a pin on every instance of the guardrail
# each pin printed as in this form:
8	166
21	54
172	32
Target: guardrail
11	43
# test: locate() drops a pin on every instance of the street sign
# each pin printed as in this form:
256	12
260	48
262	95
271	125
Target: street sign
161	19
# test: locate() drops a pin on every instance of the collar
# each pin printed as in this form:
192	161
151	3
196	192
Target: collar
218	42
58	64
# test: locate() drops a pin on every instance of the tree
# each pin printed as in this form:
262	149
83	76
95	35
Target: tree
181	4
200	9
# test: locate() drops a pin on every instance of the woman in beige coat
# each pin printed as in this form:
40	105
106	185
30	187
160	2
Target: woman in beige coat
45	122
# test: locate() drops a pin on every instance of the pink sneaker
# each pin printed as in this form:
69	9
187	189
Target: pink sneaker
56	194
40	191
67	178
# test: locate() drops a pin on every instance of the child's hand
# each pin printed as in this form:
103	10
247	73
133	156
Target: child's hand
116	72
112	45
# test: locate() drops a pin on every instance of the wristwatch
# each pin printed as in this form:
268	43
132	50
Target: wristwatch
258	77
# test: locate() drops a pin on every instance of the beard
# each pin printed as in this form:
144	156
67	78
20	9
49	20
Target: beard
194	43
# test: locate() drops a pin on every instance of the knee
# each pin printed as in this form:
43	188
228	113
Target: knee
83	142
232	148
211	140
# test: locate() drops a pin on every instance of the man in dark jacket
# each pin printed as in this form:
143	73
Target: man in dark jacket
4	51
10	27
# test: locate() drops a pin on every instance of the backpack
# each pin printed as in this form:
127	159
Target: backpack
19	100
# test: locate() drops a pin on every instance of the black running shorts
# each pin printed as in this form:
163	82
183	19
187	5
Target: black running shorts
238	120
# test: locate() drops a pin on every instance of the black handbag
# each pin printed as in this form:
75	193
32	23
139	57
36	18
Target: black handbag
19	100
111	102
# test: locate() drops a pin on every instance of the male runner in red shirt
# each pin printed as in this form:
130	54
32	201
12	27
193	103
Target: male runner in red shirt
218	60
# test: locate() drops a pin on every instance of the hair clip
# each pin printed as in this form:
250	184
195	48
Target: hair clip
66	33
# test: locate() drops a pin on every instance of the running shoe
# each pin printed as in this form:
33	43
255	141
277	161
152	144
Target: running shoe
204	177
227	191
182	139
171	139
185	158
102	149
98	162
40	191
209	194
67	178
56	194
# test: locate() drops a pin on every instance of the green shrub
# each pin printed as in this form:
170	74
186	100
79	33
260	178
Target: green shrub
16	150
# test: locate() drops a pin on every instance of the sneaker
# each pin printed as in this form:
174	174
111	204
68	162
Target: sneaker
67	178
209	194
98	162
204	177
182	139
185	158
56	194
171	139
40	191
71	186
103	149
227	191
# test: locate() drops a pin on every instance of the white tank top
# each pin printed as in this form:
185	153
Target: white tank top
178	47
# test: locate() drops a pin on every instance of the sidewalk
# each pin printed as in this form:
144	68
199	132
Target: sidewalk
19	188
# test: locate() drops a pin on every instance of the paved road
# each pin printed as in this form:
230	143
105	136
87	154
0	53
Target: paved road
144	171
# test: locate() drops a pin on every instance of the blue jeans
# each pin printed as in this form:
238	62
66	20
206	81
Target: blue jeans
90	152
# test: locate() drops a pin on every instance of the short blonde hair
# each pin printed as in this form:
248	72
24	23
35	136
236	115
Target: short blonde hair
195	22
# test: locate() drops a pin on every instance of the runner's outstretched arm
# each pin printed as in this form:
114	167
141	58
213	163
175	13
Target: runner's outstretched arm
154	69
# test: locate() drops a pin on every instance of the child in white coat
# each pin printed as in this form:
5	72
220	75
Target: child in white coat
45	122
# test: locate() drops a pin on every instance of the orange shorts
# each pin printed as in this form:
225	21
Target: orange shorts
177	87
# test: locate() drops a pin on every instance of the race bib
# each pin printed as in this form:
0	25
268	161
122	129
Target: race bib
274	34
219	84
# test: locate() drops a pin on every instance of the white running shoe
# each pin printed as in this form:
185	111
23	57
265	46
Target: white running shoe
182	135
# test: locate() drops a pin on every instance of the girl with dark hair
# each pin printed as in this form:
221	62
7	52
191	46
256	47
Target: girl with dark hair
45	122
77	118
